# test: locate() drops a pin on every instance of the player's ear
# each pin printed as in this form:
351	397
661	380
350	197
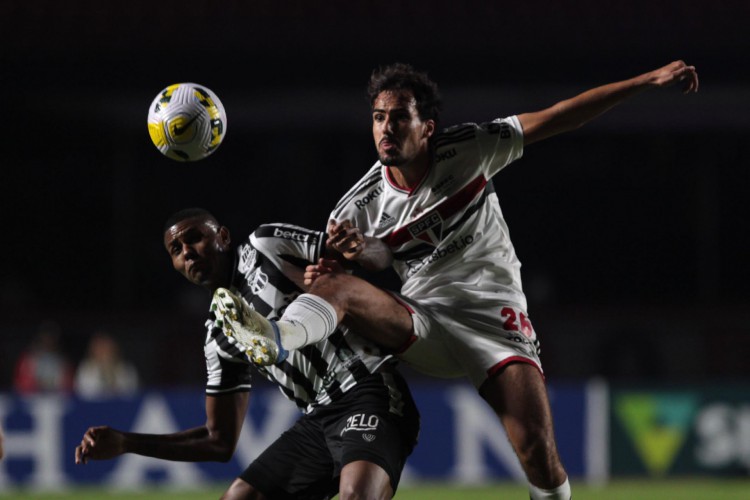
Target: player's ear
224	237
429	128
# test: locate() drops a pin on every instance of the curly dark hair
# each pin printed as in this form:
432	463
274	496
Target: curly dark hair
400	76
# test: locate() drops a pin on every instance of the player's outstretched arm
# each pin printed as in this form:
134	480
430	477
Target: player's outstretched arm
574	112
214	441
368	252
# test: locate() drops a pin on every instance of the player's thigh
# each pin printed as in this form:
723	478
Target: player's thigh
371	311
373	435
297	465
364	479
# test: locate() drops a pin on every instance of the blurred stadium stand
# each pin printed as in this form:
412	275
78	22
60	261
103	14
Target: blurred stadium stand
632	230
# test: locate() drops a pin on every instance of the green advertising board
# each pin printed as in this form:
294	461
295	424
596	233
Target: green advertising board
680	431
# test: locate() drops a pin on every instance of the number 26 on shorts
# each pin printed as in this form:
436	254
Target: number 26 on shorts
516	321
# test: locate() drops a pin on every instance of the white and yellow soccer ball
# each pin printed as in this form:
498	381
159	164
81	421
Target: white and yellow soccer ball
187	122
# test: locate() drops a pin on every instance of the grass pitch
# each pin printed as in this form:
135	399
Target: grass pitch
687	489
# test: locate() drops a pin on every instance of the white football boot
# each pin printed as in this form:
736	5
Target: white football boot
251	332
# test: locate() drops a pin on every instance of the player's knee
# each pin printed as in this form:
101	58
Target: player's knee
241	490
325	283
336	288
362	479
358	491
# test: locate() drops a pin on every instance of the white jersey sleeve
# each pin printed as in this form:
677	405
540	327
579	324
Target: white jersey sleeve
499	143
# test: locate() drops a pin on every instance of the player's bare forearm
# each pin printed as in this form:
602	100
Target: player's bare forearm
214	441
574	112
192	445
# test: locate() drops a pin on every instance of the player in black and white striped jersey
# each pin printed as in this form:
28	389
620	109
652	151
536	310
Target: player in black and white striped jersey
360	422
269	275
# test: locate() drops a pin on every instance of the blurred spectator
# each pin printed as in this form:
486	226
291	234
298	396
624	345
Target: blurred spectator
103	373
43	367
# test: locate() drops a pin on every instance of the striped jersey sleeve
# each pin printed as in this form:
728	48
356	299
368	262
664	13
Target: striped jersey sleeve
226	373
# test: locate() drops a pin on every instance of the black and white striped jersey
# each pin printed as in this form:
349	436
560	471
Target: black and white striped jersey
268	274
450	242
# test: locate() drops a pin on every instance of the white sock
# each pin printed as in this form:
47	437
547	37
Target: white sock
562	492
307	320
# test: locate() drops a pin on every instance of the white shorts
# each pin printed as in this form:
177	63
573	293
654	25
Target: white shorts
453	342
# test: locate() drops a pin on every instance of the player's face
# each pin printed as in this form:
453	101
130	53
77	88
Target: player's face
400	135
198	248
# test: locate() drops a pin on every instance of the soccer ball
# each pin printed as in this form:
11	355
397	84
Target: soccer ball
187	122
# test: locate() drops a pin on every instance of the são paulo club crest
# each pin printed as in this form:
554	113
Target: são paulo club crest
428	228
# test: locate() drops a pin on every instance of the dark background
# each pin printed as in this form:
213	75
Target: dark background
632	230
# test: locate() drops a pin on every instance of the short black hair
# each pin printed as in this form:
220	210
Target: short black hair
189	213
400	76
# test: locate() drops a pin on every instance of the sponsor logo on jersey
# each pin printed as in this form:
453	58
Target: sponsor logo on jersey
368	437
443	185
386	220
361	422
445	155
454	247
363	202
428	228
248	257
291	234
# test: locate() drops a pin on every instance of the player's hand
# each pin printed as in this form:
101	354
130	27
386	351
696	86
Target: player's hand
345	239
324	266
100	443
676	72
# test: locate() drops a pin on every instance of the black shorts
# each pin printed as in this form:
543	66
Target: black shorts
375	421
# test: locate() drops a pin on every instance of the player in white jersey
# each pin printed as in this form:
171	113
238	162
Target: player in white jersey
340	383
428	208
445	253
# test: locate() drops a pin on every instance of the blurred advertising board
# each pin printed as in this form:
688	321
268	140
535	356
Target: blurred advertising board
679	431
461	439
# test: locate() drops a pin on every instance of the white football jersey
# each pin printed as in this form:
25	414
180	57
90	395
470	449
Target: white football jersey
448	235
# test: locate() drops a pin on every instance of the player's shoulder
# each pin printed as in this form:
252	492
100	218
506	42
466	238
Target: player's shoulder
269	236
454	134
371	182
467	132
283	230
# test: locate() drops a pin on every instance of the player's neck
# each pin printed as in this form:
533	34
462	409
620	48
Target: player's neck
408	176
